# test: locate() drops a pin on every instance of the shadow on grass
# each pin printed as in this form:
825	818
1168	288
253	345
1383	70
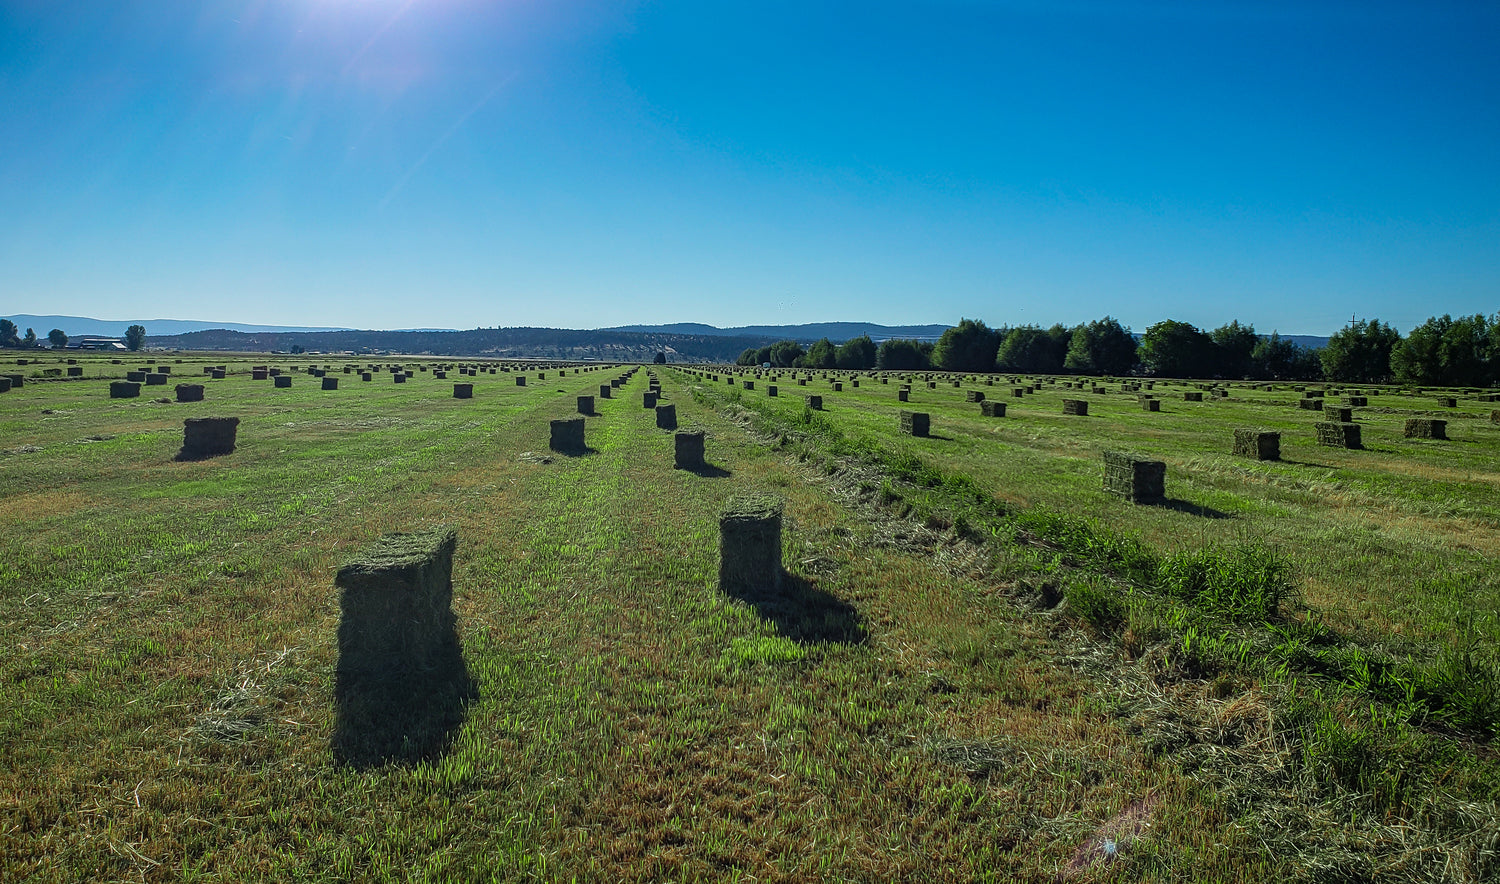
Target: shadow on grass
585	451
1193	509
401	717
806	614
707	471
1305	463
938	436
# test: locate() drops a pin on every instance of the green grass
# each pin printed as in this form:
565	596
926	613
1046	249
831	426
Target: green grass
983	660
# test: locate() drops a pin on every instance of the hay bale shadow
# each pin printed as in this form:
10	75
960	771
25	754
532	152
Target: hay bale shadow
1306	463
708	471
802	612
1192	509
402	718
585	451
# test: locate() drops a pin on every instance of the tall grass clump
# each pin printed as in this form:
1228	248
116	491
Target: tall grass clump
1246	583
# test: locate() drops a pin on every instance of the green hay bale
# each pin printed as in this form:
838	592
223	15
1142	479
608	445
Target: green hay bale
1017	392
1135	478
282	381
205	437
124	389
1310	404
1338	434
687	449
903	395
585	404
399	377
1192	396
815	403
189	392
1337	413
648	400
973	396
838	387
1075	406
1356	401
395	604
329	383
750	546
463	391
992	408
567	435
256	374
520	380
771	390
156	379
16	380
1257	444
916	423
606	391
1425	428
1150	404
666	417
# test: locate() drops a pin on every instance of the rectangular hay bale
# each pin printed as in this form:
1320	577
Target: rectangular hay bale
1257	444
1135	478
1337	434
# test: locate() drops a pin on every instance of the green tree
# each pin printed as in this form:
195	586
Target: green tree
969	346
57	337
785	354
1101	347
1361	352
30	339
1447	352
747	357
897	354
298	348
1307	365
8	334
1235	344
1031	350
855	353
135	337
660	358
1274	358
1177	350
822	354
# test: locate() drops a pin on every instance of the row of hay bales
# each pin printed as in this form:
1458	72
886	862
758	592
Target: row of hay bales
1211	389
568	434
131	386
207	437
1342	432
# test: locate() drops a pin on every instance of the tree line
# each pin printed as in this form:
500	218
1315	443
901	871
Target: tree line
10	336
1443	351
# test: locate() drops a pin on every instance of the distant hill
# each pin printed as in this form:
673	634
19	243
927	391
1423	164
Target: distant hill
838	332
1310	342
83	325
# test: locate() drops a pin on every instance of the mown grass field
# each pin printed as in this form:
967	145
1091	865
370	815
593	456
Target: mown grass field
984	668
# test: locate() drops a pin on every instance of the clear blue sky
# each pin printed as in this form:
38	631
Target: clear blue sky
583	163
